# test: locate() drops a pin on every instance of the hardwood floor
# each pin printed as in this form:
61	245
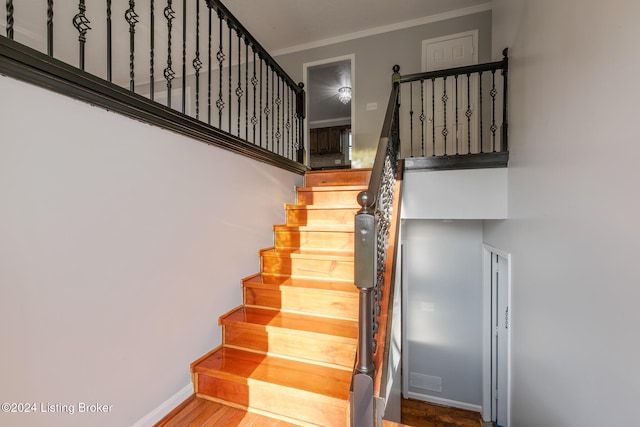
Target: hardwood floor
198	412
416	413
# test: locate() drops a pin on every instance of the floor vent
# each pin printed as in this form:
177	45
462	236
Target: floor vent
425	382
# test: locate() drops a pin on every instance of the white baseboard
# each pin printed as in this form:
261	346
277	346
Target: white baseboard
445	402
167	406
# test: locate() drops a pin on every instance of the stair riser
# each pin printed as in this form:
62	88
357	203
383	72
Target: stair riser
308	268
345	197
318	302
296	344
350	177
297	216
296	404
314	240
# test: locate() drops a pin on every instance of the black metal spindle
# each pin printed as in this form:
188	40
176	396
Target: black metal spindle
433	113
278	134
220	57
239	91
422	117
273	106
197	63
254	83
210	68
131	17
480	108
288	125
184	56
411	117
10	11
152	30
261	80
445	98
49	24
493	126
266	111
246	86
109	42
457	128
505	123
230	71
468	113
169	74
81	23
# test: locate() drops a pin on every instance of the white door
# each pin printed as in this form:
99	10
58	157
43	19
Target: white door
451	122
500	340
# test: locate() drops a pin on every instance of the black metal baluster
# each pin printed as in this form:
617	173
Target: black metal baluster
493	94
239	91
288	125
184	56
411	117
10	11
254	82
480	108
433	113
210	68
278	101
197	63
504	142
457	127
220	58
468	113
131	17
152	23
422	117
109	40
230	70
49	24
81	23
266	111
261	79
169	74
273	105
445	131
246	86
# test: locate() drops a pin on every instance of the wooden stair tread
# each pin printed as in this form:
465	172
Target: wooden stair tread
333	188
320	228
248	367
298	322
275	282
327	207
332	255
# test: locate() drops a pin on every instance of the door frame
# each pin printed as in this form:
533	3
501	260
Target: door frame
487	348
305	77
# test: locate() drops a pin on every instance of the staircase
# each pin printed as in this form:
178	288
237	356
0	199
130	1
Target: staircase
288	351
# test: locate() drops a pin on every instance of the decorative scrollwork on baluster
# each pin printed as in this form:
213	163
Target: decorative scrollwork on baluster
81	23
10	11
197	63
131	17
169	74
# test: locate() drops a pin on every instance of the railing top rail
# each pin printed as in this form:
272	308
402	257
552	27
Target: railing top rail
262	52
469	69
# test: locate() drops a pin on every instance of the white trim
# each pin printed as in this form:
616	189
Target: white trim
487	250
445	402
322	122
165	407
305	74
386	28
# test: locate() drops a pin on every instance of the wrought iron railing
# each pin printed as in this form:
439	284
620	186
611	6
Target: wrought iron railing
373	229
187	66
456	117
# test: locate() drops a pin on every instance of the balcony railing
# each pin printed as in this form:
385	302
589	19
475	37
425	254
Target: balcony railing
186	66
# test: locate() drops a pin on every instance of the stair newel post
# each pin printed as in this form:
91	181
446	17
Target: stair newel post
362	407
301	114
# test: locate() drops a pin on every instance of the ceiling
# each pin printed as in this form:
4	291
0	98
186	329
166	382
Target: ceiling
283	24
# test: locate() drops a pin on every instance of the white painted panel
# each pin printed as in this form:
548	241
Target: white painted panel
455	194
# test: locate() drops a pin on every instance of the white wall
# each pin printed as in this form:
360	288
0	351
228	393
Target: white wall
573	210
375	57
120	245
443	270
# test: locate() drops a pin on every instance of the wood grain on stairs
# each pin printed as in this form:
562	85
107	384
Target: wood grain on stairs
289	350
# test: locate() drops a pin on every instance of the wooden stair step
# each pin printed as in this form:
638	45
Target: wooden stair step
283	282
337	177
312	393
301	336
320	214
327	195
329	265
332	238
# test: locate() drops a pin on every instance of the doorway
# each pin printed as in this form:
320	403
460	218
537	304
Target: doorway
330	89
497	337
